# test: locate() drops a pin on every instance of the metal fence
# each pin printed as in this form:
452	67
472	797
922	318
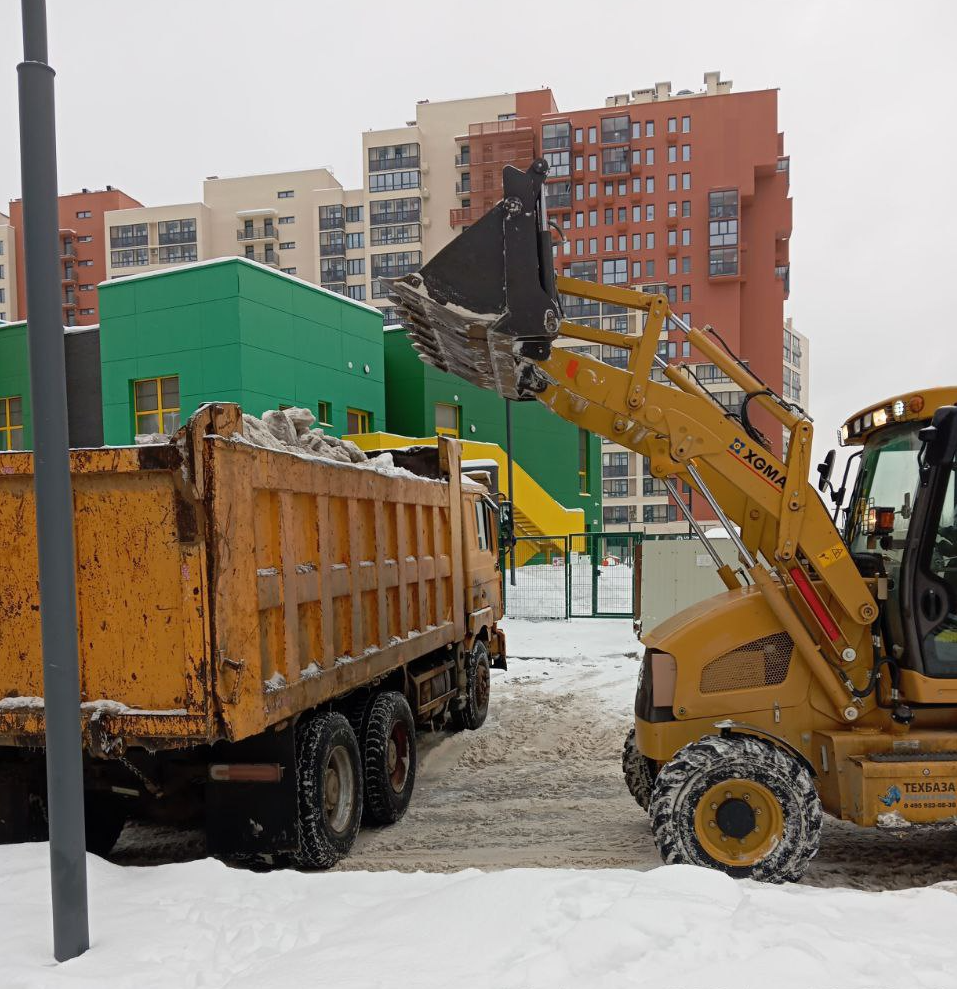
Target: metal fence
586	575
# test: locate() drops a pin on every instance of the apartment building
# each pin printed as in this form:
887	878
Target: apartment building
8	270
83	251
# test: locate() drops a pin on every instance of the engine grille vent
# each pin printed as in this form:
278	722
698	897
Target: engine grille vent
761	663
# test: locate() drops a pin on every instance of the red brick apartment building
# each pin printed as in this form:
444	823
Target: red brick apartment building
684	193
83	253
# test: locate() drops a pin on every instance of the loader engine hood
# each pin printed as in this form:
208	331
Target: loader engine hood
485	307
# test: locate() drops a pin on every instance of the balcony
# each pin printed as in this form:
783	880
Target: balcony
463	161
394	270
462	190
498	127
783	273
331	223
397	216
394	164
121	243
184	237
70	274
267	232
67	250
268	258
332	250
465	216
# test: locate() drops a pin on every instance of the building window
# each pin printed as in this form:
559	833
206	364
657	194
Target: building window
580	192
83	288
583	461
671	238
324	414
671	125
686	125
650	240
724	261
723	233
356	266
687	152
389	181
592	190
183	231
615	161
558	195
687	265
615	129
395	211
356	292
584	270
447	419
650	269
686	207
3	295
404	233
636	129
555	135
592	163
637	242
687	180
289	271
650	184
615	271
671	154
608	244
687	295
637	156
130	235
650	128
157	405
558	162
637	185
687	234
359	421
286	245
650	156
395	264
286	219
723	204
354	214
11	423
393	157
650	213
286	194
578	136
87	312
671	182
84	214
129	259
671	266
592	135
619	514
177	255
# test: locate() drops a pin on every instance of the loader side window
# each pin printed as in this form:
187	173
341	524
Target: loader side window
482	525
939	563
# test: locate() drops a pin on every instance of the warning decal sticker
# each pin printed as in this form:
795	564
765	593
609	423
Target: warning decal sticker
830	556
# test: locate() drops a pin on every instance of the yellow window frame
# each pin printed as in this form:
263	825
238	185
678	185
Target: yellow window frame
364	418
448	430
7	429
161	410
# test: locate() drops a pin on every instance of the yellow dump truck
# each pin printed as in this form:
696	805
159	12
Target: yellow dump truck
260	636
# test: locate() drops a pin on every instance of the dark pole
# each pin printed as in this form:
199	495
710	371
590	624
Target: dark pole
509	487
55	518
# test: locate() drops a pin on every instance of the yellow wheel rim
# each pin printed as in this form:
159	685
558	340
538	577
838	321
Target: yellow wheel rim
739	822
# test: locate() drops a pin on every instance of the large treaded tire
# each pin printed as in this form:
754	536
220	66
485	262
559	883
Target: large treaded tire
477	685
389	758
638	771
329	789
714	760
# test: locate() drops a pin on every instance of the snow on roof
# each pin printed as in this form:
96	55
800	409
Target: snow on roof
236	257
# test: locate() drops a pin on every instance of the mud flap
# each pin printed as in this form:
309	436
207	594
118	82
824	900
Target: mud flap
244	818
486	305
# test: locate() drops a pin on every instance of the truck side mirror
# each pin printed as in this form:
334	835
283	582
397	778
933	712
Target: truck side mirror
825	470
940	437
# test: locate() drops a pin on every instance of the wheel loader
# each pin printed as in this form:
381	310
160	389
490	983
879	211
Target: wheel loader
823	678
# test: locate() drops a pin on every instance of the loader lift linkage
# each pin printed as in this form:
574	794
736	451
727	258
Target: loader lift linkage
487	308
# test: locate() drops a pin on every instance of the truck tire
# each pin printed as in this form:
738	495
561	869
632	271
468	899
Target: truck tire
638	771
737	804
476	708
329	789
389	758
104	819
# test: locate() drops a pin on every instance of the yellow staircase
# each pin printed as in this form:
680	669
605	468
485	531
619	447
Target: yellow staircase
536	513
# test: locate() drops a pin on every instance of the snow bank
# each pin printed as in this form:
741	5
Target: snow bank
202	924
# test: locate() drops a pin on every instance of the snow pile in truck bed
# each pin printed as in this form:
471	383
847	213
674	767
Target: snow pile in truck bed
677	927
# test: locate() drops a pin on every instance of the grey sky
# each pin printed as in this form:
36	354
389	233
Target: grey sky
154	96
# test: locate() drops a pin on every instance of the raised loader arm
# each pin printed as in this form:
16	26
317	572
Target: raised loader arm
487	308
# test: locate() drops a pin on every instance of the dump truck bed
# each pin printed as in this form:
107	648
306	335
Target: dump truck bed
224	587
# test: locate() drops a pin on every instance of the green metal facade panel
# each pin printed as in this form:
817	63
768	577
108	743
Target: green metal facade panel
546	446
15	373
236	332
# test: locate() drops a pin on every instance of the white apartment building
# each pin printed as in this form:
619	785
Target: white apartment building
8	271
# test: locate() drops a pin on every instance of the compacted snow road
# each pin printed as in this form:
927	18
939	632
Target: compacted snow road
540	785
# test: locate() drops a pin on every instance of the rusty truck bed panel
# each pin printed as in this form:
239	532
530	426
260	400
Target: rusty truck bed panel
224	587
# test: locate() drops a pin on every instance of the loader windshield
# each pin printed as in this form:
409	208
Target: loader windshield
883	502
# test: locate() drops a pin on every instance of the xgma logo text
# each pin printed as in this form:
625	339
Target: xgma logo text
747	454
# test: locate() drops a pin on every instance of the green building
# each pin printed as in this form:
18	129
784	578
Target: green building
16	422
421	400
234	331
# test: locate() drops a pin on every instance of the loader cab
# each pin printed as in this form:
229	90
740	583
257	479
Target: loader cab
901	524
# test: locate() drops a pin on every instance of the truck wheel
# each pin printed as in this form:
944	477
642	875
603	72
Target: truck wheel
737	804
329	789
104	819
639	772
388	754
476	708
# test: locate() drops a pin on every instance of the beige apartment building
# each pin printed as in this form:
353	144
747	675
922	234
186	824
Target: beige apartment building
8	271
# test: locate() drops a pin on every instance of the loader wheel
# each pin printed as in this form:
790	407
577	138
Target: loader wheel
329	789
639	772
476	708
737	804
388	755
104	819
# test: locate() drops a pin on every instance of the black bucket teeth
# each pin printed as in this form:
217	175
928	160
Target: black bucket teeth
485	306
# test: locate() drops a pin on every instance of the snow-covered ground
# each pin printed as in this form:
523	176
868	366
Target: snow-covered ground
201	924
449	895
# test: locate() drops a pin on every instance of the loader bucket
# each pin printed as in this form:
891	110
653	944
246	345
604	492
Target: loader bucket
485	307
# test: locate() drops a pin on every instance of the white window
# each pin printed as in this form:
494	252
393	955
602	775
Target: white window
671	154
650	184
687	150
671	182
650	241
686	180
650	156
650	212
